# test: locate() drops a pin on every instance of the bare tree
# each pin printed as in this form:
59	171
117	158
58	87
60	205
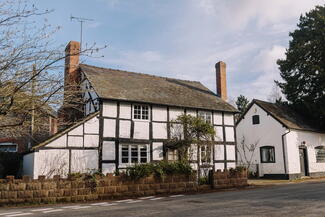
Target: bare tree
31	68
246	152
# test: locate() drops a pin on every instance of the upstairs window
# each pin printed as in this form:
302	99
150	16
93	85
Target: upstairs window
205	154
267	154
256	119
206	116
320	154
172	155
141	112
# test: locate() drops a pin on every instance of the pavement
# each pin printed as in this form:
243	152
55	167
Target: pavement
299	199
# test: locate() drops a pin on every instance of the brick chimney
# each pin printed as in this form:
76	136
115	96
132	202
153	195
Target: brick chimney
71	72
221	80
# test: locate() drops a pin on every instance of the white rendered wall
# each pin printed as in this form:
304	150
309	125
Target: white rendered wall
108	150
51	162
141	130
310	140
267	133
174	113
125	110
159	130
84	161
125	129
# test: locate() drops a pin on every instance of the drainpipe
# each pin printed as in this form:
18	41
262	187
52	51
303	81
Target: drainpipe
283	151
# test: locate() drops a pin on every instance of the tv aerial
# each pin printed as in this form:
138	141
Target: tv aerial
81	20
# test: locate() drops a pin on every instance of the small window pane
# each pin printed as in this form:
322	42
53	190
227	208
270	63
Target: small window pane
143	154
320	154
256	119
125	154
134	154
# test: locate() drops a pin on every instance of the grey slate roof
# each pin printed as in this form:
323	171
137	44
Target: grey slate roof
287	116
138	87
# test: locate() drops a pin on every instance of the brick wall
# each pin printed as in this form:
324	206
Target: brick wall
27	191
229	179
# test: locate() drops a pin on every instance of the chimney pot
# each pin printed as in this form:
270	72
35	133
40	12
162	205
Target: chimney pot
221	80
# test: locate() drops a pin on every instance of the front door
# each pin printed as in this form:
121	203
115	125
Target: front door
303	163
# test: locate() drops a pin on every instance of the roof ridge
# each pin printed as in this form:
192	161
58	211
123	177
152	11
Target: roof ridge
141	73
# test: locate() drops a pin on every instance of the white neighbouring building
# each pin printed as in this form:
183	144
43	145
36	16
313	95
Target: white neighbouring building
286	145
127	120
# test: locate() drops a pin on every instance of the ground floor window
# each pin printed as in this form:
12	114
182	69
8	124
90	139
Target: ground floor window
172	155
134	154
267	154
320	154
8	147
205	154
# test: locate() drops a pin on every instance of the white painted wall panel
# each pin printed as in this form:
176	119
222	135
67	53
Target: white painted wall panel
125	129
77	131
159	130
141	130
84	160
75	141
230	134
125	110
110	109
59	142
109	128
219	166
91	140
108	150
231	165
231	152
92	126
176	130
51	162
28	164
219	152
157	151
159	113
108	168
191	112
217	118
174	113
229	119
219	133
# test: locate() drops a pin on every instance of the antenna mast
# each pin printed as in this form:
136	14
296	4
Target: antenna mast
81	20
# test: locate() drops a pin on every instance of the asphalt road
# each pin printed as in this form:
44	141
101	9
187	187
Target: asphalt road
306	199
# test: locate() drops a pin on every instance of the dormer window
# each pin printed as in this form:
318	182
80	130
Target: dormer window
256	119
141	112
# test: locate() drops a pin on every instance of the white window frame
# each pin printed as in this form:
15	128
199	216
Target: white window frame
172	155
141	111
201	152
130	146
204	115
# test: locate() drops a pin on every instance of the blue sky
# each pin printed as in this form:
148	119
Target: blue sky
185	38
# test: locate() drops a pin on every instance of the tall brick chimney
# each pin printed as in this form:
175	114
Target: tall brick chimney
71	72
221	80
72	108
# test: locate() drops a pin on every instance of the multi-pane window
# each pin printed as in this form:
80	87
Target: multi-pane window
8	147
172	155
141	112
206	116
267	154
205	156
320	154
133	154
256	119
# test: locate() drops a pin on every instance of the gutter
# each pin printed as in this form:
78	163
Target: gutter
283	151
